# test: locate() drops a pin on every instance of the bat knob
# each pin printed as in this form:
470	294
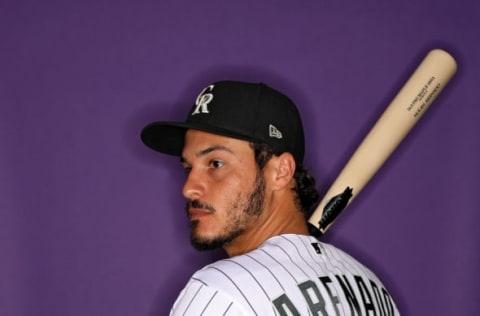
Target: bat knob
314	231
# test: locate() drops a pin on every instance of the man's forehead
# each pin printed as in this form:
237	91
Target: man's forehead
199	142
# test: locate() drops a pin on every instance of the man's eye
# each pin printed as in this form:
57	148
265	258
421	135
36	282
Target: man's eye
187	169
216	164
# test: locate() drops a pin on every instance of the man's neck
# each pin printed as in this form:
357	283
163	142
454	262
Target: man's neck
277	222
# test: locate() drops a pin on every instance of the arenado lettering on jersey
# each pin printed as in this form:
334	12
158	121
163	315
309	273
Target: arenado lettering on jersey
362	298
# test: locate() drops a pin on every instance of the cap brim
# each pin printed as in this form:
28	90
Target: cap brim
165	137
169	137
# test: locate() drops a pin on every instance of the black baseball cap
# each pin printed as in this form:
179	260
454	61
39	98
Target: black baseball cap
242	110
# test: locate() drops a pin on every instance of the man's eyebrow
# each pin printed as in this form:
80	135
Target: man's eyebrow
208	150
212	149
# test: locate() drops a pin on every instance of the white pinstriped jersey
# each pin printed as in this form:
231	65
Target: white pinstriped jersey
287	275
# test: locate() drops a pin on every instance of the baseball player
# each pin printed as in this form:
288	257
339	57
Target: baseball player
247	191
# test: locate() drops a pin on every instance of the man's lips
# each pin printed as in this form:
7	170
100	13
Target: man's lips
197	209
197	213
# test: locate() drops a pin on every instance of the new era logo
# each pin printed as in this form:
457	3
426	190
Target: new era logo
274	132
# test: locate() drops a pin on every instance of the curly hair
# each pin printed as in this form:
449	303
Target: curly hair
306	192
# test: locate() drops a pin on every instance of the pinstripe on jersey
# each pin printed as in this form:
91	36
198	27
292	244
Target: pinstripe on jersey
286	275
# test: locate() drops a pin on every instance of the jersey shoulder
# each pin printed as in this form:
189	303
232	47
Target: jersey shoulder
285	270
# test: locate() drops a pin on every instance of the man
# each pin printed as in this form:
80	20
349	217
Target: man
247	191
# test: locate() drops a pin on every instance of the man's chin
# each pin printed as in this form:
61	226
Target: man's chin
204	244
203	238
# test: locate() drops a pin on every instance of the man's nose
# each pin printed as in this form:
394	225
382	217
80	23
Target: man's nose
194	186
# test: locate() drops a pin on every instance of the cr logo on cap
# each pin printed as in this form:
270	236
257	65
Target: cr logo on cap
203	100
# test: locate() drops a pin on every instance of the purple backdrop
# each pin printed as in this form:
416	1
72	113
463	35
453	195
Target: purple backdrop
92	222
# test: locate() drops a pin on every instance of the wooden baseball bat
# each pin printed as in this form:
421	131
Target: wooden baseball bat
404	111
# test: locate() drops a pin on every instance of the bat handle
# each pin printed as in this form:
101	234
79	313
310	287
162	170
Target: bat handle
331	210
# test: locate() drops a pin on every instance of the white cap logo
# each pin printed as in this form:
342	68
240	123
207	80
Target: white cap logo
274	132
203	100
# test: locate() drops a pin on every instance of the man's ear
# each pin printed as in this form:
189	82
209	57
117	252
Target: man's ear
282	170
